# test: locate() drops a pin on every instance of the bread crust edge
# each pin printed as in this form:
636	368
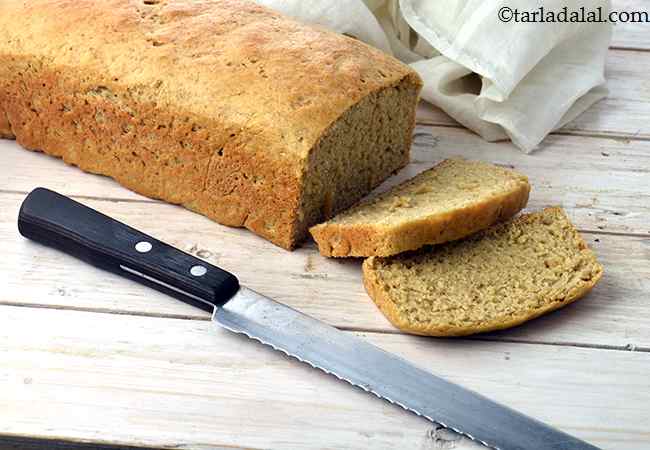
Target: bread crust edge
338	241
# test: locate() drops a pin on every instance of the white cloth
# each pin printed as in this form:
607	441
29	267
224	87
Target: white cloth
502	80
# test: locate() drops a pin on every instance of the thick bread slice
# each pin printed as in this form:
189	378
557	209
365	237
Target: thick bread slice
222	106
499	278
450	201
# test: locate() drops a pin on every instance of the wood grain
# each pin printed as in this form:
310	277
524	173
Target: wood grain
631	35
164	382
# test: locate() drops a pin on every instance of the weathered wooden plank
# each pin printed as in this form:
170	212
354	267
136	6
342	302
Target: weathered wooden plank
631	35
624	113
331	290
22	170
603	183
164	382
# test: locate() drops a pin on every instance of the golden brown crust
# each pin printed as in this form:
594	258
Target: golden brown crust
343	240
5	127
377	292
189	102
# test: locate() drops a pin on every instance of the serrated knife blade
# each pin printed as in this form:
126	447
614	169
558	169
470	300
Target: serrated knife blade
387	376
60	222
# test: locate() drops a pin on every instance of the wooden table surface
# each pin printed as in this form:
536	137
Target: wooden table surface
88	357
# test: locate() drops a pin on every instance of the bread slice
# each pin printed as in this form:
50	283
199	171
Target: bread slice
450	201
499	278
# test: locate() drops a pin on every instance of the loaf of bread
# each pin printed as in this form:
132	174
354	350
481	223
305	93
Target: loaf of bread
222	106
450	201
496	279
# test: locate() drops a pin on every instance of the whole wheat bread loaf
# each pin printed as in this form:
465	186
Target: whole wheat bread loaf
499	278
452	200
223	106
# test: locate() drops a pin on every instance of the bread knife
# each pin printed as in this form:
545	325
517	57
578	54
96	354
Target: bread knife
60	222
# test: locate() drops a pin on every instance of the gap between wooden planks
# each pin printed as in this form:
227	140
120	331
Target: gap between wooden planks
613	315
163	382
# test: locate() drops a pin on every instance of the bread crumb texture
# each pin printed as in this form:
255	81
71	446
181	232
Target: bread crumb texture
496	279
450	201
222	106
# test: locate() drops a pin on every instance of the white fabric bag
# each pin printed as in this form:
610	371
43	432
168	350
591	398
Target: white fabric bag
502	80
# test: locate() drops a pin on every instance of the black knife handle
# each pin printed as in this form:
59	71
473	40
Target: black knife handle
60	222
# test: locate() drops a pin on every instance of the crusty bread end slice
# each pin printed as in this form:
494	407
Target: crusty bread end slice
450	201
499	278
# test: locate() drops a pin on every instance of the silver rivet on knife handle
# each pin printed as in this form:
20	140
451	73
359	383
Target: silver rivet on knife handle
198	270
143	247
